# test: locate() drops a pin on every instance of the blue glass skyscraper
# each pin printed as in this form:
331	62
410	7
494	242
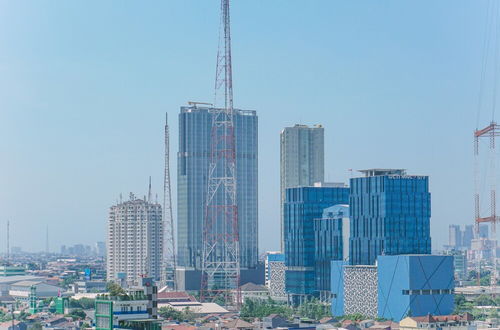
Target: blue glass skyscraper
303	205
390	215
331	234
195	124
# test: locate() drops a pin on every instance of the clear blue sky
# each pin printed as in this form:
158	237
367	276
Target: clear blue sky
84	86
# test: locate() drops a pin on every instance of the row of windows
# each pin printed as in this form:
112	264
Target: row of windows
427	292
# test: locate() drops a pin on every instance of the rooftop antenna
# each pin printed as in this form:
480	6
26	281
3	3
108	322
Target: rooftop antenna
149	190
47	239
8	240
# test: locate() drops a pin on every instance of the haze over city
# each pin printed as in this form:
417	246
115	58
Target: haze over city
84	87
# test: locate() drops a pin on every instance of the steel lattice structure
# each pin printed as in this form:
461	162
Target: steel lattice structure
169	265
490	132
221	255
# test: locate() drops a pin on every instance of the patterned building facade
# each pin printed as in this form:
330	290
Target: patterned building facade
396	287
275	274
390	214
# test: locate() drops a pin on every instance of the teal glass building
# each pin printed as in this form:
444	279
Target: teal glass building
390	215
301	207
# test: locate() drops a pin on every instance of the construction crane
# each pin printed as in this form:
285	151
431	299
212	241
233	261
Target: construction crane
220	253
197	103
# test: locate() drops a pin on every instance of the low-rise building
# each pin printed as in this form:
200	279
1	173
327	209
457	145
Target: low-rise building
138	306
21	290
443	322
395	287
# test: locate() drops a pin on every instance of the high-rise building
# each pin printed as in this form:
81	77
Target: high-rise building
468	235
302	160
195	124
135	240
100	249
455	236
302	206
390	215
331	234
483	230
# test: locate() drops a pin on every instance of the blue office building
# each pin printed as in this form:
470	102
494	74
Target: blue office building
390	215
398	286
415	285
303	205
331	234
337	286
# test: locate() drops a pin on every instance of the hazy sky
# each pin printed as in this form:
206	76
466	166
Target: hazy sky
84	86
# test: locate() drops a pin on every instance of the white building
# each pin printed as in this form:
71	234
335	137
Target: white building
21	290
135	240
302	159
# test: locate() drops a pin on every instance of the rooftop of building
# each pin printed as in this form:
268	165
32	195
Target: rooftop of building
466	317
383	171
202	106
196	307
330	184
18	278
248	287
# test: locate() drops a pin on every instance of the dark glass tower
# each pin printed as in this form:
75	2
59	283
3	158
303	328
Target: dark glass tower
390	215
195	124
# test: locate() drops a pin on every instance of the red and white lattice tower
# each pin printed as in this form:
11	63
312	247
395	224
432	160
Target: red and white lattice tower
221	255
490	132
169	260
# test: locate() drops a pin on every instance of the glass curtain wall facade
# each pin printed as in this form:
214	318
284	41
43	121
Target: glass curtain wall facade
192	174
302	206
302	153
331	233
390	215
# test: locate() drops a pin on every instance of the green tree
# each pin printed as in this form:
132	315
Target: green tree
77	314
114	289
169	313
83	303
356	317
314	309
253	308
484	300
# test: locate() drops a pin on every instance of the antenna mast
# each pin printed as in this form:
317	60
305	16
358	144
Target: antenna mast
170	265
221	255
8	241
47	240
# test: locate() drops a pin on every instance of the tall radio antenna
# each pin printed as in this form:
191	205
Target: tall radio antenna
169	266
221	254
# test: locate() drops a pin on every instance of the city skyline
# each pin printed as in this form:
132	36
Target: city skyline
68	142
